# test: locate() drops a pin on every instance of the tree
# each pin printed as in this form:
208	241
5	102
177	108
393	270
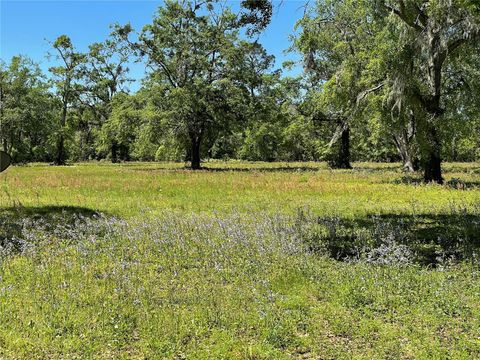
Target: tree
122	125
429	36
187	48
250	69
104	74
26	110
65	79
333	40
256	15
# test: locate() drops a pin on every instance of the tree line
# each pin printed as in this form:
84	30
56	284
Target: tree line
382	80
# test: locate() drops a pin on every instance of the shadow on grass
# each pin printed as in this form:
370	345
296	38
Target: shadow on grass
264	169
389	167
472	169
460	184
14	219
455	183
409	180
287	169
429	237
321	166
234	169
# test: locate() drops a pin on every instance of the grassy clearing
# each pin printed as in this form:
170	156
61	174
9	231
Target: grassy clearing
221	264
127	190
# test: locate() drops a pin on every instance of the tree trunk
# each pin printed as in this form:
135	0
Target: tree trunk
408	165
344	152
195	154
114	152
433	162
60	158
404	148
433	169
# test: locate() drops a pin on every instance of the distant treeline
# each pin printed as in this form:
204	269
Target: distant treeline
382	81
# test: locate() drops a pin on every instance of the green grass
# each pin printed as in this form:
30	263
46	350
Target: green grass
220	264
127	190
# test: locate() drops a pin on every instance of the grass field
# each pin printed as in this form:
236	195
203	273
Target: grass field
238	261
127	190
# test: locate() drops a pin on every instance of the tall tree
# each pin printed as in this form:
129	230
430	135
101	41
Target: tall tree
187	48
65	79
333	40
104	74
429	37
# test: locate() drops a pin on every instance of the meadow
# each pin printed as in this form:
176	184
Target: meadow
127	190
238	261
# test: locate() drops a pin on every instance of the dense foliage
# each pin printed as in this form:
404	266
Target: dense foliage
392	80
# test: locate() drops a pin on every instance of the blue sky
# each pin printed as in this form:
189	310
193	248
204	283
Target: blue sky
26	26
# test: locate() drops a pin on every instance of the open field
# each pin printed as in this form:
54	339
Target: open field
127	190
240	261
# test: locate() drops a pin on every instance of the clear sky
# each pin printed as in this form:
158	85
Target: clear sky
27	26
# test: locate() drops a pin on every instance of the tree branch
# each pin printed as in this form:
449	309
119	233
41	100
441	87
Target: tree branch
365	93
402	15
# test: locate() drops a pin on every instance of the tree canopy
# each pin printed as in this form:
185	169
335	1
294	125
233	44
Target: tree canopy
382	80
